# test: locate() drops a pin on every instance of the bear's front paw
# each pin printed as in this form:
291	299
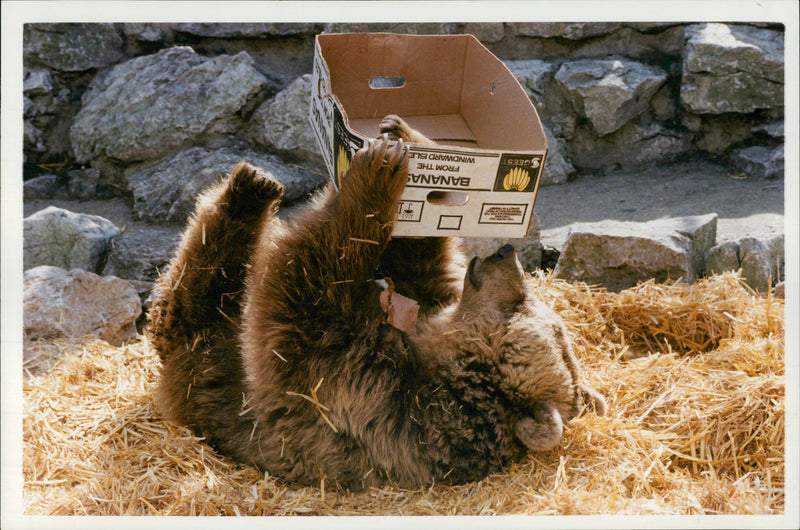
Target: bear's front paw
250	190
397	129
381	159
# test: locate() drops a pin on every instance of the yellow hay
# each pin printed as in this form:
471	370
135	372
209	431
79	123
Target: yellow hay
694	376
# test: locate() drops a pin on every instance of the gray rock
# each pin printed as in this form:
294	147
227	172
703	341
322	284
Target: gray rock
760	161
529	248
413	28
610	92
486	32
145	32
638	143
618	255
557	168
142	253
572	31
250	30
773	129
723	49
281	123
535	76
58	237
718	134
44	187
82	183
69	47
150	106
37	82
760	262
723	258
57	303
730	68
167	192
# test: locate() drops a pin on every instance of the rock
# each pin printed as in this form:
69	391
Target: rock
44	187
618	255
167	192
718	133
252	30
572	31
760	262
529	248
728	68
142	253
535	76
282	123
760	161
773	129
412	28
780	290
58	237
181	99
722	258
69	47
557	168
57	303
82	184
37	82
759	258
638	143
609	92
145	32
486	32
723	49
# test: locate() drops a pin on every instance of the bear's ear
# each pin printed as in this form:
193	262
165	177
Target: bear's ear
542	433
593	399
473	273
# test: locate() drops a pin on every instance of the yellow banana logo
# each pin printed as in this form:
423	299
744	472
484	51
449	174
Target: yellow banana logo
342	165
516	180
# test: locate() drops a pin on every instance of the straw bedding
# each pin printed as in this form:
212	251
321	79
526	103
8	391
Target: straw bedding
694	376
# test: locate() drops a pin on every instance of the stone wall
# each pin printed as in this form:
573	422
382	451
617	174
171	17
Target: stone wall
150	114
122	97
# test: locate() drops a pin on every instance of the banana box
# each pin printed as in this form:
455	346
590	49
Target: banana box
482	176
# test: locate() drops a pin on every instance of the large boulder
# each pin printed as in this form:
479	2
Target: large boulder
70	47
281	124
167	192
565	30
618	255
59	303
58	237
153	105
609	92
732	68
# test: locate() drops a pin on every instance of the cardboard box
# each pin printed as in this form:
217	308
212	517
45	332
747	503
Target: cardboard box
483	178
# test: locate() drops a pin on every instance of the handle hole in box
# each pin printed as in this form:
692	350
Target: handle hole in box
383	81
448	198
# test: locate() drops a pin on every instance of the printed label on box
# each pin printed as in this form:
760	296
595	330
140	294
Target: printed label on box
436	168
518	172
503	214
410	211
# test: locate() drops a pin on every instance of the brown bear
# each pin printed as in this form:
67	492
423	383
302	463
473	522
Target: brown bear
276	347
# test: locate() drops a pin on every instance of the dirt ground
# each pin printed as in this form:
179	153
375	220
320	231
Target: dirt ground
746	206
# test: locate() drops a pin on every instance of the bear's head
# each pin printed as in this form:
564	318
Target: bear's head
495	283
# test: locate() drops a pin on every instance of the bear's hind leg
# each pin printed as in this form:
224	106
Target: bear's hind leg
206	277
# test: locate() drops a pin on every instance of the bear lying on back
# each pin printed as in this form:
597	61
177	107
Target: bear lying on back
276	349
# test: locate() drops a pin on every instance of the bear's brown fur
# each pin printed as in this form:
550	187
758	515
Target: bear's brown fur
276	349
